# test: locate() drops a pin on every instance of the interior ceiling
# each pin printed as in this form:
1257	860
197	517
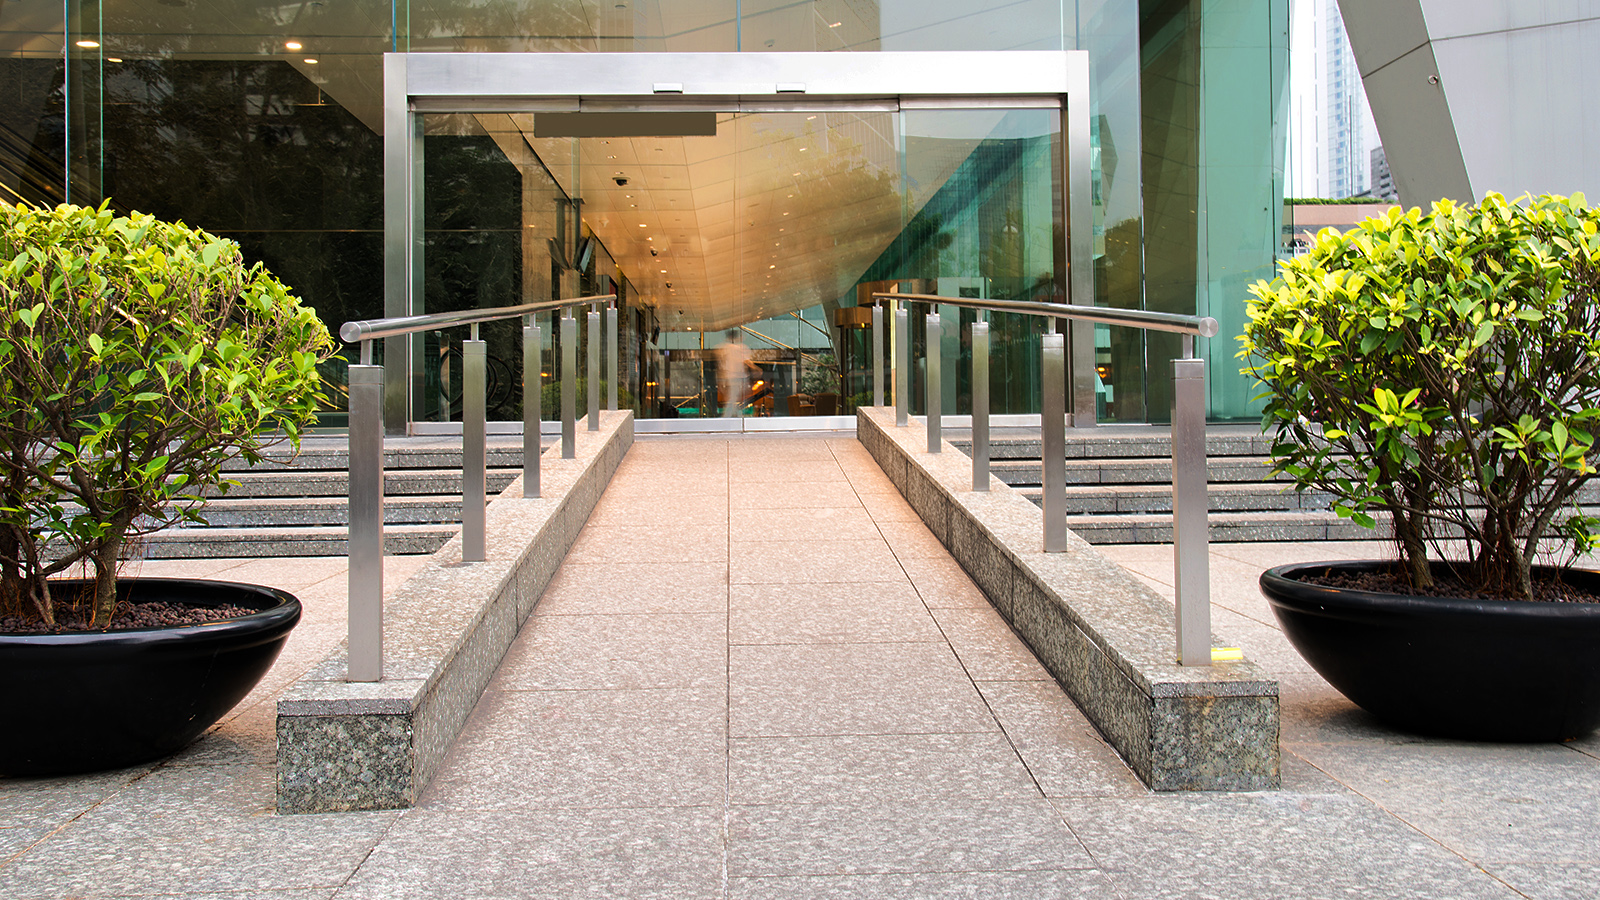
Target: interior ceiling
777	212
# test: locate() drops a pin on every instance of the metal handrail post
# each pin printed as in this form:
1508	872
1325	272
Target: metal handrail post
569	387
902	366
532	406
612	362
1053	439
934	384
1192	575
592	332
980	406
365	625
474	449
877	355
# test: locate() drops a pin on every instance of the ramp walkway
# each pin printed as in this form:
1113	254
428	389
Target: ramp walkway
758	663
758	676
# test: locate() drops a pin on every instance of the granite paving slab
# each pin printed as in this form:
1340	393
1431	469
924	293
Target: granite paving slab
826	613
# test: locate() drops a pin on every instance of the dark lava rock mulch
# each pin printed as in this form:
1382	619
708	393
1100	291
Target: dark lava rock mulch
156	614
1553	590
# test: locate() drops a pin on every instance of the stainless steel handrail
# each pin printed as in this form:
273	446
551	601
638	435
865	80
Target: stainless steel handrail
1190	506
365	546
372	329
1204	326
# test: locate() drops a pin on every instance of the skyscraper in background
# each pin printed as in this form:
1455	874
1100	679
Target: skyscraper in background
1332	134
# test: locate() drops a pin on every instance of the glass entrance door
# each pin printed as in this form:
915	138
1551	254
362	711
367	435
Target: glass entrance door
743	238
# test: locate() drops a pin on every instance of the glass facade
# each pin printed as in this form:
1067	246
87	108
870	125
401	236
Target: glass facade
263	123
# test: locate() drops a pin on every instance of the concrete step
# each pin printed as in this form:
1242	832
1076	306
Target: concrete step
1119	443
396	482
321	540
1110	499
1223	527
335	456
269	512
1131	471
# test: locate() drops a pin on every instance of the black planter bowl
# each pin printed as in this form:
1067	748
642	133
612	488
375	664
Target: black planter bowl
88	701
1487	670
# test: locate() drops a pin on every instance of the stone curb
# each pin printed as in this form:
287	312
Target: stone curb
1106	637
346	746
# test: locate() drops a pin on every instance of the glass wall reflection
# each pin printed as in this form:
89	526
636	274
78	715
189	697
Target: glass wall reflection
262	122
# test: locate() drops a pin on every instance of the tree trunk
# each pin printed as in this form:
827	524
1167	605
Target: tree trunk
105	579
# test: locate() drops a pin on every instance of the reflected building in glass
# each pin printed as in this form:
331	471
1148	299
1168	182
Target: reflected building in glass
264	123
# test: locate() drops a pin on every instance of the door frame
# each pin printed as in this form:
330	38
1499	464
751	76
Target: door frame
417	83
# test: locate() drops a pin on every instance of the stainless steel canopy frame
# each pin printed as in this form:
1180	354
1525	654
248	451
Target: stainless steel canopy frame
418	83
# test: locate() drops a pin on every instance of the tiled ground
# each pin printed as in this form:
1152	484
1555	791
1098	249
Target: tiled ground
757	675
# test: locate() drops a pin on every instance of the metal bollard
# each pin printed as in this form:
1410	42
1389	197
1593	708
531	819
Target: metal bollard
569	386
1190	506
934	384
1053	439
611	357
474	365
980	406
532	407
365	661
877	355
593	333
902	366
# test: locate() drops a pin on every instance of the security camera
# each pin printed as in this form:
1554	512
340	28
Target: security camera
621	181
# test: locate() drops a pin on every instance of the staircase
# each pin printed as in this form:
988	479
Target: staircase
298	507
1119	487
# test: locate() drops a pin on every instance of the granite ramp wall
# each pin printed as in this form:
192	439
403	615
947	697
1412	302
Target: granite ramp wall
1106	637
360	746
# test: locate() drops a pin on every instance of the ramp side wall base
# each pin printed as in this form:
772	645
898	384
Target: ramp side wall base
344	746
1105	637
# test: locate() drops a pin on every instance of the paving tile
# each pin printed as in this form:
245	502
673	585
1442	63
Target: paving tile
515	854
1062	750
659	510
813	561
309	894
870	480
1493	803
813	689
912	539
616	651
16	838
632	588
186	829
1270	844
819	523
48	802
525	749
873	768
1549	881
987	647
782	470
791	495
601	544
779	449
920	836
888	506
828	614
1063	884
943	584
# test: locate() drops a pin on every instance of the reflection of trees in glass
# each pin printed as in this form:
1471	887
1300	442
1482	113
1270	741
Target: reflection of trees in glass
255	152
32	131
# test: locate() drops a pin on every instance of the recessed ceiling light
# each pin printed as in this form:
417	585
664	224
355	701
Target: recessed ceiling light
113	59
641	224
292	45
809	118
88	45
310	62
803	149
835	24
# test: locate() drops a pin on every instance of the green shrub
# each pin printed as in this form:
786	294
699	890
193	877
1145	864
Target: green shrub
1443	368
136	357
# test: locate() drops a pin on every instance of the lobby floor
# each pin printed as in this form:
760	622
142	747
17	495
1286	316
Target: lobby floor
758	675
